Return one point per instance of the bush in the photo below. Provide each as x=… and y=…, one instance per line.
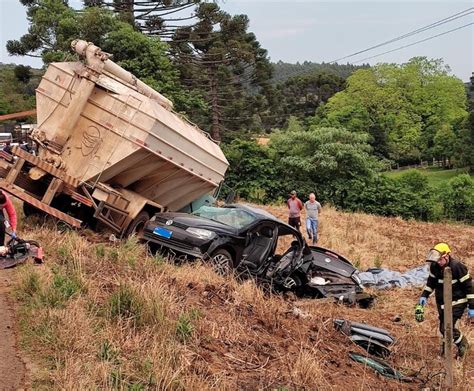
x=421, y=195
x=251, y=172
x=458, y=198
x=409, y=197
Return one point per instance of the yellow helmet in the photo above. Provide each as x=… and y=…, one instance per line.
x=437, y=252
x=443, y=248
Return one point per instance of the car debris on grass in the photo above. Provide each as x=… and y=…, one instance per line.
x=374, y=340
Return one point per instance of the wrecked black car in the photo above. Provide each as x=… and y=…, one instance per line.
x=249, y=240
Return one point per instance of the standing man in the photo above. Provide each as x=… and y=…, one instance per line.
x=463, y=292
x=6, y=204
x=313, y=209
x=294, y=210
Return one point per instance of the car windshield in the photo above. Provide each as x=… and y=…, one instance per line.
x=234, y=217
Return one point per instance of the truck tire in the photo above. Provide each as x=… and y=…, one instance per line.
x=138, y=224
x=222, y=262
x=30, y=210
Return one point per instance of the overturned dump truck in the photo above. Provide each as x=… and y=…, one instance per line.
x=110, y=149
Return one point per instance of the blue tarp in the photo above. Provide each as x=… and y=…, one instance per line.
x=385, y=278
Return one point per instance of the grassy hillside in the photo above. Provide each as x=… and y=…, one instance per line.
x=436, y=176
x=108, y=316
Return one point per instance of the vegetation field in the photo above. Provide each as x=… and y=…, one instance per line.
x=101, y=315
x=436, y=176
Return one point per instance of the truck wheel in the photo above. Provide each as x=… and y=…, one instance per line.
x=138, y=224
x=30, y=210
x=222, y=262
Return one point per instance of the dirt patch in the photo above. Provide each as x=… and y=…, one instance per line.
x=12, y=368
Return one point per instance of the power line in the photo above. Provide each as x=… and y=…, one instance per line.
x=415, y=43
x=440, y=22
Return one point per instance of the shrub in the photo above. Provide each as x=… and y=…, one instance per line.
x=458, y=198
x=409, y=197
x=421, y=199
x=251, y=172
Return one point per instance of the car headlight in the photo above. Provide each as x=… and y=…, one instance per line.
x=201, y=233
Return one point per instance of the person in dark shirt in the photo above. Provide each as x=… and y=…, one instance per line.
x=463, y=292
x=294, y=210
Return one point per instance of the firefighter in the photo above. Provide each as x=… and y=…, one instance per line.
x=463, y=292
x=6, y=204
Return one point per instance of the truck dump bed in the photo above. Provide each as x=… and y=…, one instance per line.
x=125, y=137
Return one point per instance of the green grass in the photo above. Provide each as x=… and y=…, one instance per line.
x=436, y=176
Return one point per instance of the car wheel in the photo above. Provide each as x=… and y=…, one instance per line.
x=138, y=224
x=222, y=262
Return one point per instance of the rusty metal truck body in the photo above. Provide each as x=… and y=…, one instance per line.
x=110, y=148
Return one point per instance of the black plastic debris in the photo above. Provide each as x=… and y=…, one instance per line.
x=374, y=340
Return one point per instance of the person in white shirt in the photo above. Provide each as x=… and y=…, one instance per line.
x=313, y=209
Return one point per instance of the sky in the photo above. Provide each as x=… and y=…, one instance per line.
x=312, y=30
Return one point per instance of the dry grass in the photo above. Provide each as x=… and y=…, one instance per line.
x=103, y=316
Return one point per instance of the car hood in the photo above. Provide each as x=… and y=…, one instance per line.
x=185, y=220
x=326, y=259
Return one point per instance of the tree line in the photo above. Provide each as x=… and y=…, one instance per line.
x=283, y=71
x=339, y=166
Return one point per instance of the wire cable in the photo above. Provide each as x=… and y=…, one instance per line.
x=440, y=22
x=415, y=43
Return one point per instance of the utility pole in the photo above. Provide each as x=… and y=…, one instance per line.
x=448, y=326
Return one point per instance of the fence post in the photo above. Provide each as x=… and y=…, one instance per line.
x=448, y=326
